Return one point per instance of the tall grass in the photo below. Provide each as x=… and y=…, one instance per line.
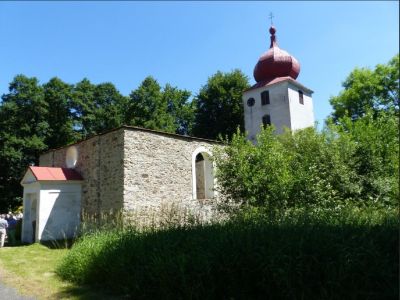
x=299, y=254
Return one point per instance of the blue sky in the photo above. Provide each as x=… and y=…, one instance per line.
x=183, y=43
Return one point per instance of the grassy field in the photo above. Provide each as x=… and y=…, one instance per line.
x=30, y=269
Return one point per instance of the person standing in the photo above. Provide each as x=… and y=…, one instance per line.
x=12, y=226
x=3, y=227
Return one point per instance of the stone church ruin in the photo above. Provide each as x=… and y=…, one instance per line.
x=136, y=171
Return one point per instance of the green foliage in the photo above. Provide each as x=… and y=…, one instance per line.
x=164, y=109
x=34, y=118
x=97, y=108
x=347, y=253
x=23, y=130
x=366, y=89
x=58, y=100
x=179, y=108
x=219, y=108
x=83, y=106
x=374, y=139
x=256, y=176
x=357, y=161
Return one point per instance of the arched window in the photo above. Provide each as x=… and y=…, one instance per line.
x=203, y=174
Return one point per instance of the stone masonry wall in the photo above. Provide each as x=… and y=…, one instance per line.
x=146, y=174
x=100, y=162
x=158, y=177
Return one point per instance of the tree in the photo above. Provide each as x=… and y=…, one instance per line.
x=375, y=159
x=165, y=109
x=110, y=107
x=23, y=130
x=83, y=107
x=179, y=108
x=366, y=112
x=58, y=98
x=148, y=107
x=219, y=107
x=366, y=89
x=97, y=108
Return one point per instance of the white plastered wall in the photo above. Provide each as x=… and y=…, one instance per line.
x=30, y=204
x=284, y=109
x=278, y=109
x=57, y=208
x=302, y=115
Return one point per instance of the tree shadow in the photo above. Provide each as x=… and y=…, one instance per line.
x=59, y=244
x=87, y=293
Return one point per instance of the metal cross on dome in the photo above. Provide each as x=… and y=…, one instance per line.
x=271, y=16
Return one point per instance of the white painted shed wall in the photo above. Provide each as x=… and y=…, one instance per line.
x=57, y=209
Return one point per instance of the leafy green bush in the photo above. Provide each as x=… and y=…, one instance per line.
x=355, y=161
x=347, y=253
x=375, y=155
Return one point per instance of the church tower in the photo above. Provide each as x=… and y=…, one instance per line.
x=277, y=98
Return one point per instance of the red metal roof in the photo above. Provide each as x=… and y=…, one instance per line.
x=275, y=63
x=265, y=83
x=60, y=174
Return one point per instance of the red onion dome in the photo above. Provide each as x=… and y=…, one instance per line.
x=275, y=62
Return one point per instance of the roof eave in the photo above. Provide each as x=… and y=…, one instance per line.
x=291, y=80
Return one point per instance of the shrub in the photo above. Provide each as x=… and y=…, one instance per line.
x=299, y=254
x=355, y=161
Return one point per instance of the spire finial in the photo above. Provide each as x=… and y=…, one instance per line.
x=272, y=31
x=271, y=16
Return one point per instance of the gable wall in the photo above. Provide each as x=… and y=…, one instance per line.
x=100, y=162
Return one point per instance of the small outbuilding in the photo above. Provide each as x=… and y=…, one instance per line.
x=52, y=203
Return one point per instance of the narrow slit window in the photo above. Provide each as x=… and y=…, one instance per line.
x=265, y=98
x=266, y=120
x=301, y=98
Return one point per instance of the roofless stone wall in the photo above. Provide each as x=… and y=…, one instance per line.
x=145, y=174
x=158, y=179
x=100, y=162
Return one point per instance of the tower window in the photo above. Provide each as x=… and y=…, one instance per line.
x=265, y=98
x=301, y=99
x=266, y=120
x=250, y=102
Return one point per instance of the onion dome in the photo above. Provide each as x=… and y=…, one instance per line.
x=275, y=62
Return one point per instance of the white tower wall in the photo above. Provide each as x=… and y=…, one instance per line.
x=285, y=109
x=301, y=115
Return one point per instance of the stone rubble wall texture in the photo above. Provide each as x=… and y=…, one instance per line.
x=100, y=162
x=146, y=175
x=158, y=178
